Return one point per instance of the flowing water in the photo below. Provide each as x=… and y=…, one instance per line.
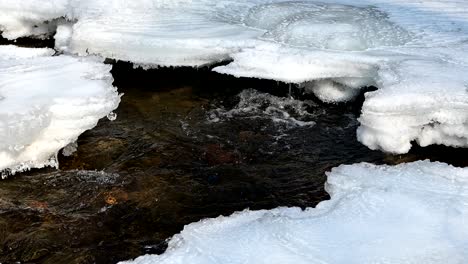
x=187, y=144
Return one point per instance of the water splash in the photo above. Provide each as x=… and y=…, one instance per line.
x=284, y=111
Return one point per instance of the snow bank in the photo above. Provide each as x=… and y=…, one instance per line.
x=415, y=52
x=410, y=213
x=46, y=103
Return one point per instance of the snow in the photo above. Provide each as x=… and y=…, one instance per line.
x=410, y=213
x=415, y=52
x=30, y=17
x=46, y=102
x=62, y=36
x=11, y=52
x=161, y=40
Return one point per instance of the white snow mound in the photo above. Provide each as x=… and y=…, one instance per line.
x=46, y=103
x=410, y=213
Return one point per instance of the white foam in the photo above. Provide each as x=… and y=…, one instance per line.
x=284, y=111
x=47, y=102
x=410, y=213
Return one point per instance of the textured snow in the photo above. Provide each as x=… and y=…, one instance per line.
x=410, y=213
x=46, y=102
x=415, y=52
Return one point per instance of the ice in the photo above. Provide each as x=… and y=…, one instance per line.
x=410, y=213
x=163, y=37
x=11, y=52
x=46, y=103
x=421, y=107
x=418, y=63
x=331, y=91
x=62, y=37
x=415, y=52
x=69, y=149
x=325, y=26
x=30, y=17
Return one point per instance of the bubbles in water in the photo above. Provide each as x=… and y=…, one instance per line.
x=112, y=116
x=254, y=104
x=99, y=177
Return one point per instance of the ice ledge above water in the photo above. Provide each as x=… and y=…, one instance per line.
x=409, y=213
x=46, y=102
x=415, y=52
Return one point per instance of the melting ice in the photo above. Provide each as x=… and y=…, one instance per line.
x=410, y=213
x=46, y=103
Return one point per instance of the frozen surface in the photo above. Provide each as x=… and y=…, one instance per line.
x=415, y=52
x=410, y=213
x=46, y=103
x=30, y=17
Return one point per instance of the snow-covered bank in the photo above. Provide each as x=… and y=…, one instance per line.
x=410, y=213
x=46, y=102
x=415, y=52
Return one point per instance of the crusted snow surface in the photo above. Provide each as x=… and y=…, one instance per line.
x=46, y=102
x=415, y=52
x=410, y=213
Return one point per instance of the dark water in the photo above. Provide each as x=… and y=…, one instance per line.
x=28, y=42
x=165, y=163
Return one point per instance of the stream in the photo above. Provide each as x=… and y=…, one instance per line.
x=187, y=144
